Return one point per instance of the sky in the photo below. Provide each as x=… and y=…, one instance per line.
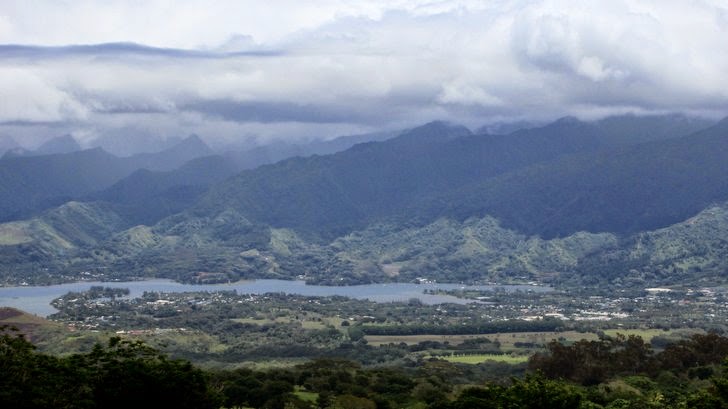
x=252, y=72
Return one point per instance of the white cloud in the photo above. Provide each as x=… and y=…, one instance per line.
x=356, y=65
x=26, y=96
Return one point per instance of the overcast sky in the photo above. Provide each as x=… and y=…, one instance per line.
x=265, y=70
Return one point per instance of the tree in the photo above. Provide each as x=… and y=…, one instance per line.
x=131, y=374
x=32, y=380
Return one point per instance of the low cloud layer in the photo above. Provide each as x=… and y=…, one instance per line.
x=257, y=71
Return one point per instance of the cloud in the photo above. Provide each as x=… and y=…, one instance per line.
x=290, y=69
x=27, y=97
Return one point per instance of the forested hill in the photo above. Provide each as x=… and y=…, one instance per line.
x=555, y=180
x=625, y=190
x=336, y=193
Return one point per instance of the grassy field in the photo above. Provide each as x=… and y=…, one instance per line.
x=646, y=334
x=476, y=359
x=507, y=340
x=14, y=233
x=306, y=396
x=306, y=323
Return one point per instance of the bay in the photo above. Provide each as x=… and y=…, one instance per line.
x=36, y=299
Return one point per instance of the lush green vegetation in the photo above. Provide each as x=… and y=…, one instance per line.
x=621, y=372
x=55, y=247
x=479, y=358
x=226, y=329
x=121, y=374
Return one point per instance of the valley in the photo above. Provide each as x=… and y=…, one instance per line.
x=225, y=327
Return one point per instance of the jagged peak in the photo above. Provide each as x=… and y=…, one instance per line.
x=193, y=141
x=60, y=144
x=567, y=120
x=723, y=123
x=436, y=130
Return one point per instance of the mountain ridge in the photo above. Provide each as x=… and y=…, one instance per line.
x=437, y=202
x=31, y=184
x=387, y=179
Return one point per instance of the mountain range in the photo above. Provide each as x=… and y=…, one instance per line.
x=624, y=200
x=30, y=184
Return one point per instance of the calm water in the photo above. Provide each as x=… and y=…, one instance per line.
x=37, y=300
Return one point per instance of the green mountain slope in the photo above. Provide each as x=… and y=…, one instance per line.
x=331, y=195
x=53, y=238
x=230, y=247
x=555, y=180
x=626, y=190
x=146, y=196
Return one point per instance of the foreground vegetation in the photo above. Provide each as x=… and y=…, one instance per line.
x=621, y=372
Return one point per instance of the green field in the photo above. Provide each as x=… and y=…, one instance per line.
x=324, y=322
x=507, y=340
x=477, y=359
x=646, y=334
x=14, y=233
x=305, y=395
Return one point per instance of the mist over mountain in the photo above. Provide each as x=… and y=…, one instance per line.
x=277, y=151
x=34, y=183
x=7, y=143
x=632, y=129
x=171, y=158
x=507, y=127
x=147, y=196
x=128, y=141
x=60, y=144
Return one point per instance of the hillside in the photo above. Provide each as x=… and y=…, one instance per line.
x=333, y=194
x=35, y=329
x=53, y=237
x=626, y=190
x=440, y=170
x=229, y=247
x=146, y=196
